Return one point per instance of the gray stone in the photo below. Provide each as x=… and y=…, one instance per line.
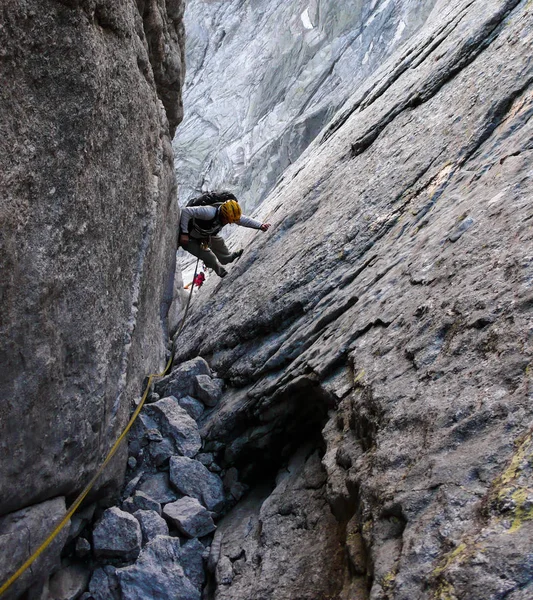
x=21, y=533
x=159, y=453
x=93, y=273
x=189, y=517
x=394, y=344
x=206, y=458
x=68, y=583
x=141, y=501
x=117, y=535
x=181, y=381
x=322, y=54
x=104, y=584
x=79, y=520
x=157, y=487
x=83, y=547
x=194, y=407
x=208, y=390
x=192, y=561
x=157, y=573
x=177, y=425
x=152, y=524
x=191, y=478
x=153, y=435
x=132, y=462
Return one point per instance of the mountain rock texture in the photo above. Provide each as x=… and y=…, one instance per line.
x=377, y=341
x=89, y=101
x=264, y=77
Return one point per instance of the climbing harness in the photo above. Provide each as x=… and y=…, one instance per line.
x=77, y=502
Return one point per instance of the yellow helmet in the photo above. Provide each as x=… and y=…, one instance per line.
x=231, y=211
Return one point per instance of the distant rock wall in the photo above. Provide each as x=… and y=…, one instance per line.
x=264, y=77
x=388, y=310
x=89, y=100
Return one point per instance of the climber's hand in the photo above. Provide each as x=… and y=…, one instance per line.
x=265, y=226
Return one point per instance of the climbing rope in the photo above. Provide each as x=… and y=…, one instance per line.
x=77, y=502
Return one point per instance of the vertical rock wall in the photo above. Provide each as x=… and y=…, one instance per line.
x=89, y=100
x=397, y=281
x=265, y=76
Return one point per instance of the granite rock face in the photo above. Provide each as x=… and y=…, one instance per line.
x=386, y=315
x=89, y=102
x=264, y=77
x=21, y=533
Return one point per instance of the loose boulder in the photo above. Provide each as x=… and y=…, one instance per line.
x=208, y=390
x=192, y=478
x=177, y=425
x=68, y=583
x=157, y=487
x=157, y=573
x=181, y=381
x=117, y=535
x=189, y=517
x=194, y=407
x=152, y=524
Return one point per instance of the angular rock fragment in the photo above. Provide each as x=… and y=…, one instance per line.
x=189, y=517
x=192, y=561
x=208, y=390
x=104, y=584
x=152, y=524
x=21, y=533
x=159, y=453
x=117, y=535
x=177, y=425
x=181, y=381
x=194, y=407
x=68, y=583
x=157, y=487
x=141, y=501
x=191, y=478
x=157, y=573
x=83, y=547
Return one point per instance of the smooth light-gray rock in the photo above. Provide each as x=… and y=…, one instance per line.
x=21, y=534
x=192, y=478
x=88, y=234
x=189, y=517
x=194, y=407
x=157, y=573
x=152, y=524
x=386, y=314
x=208, y=390
x=263, y=80
x=68, y=583
x=117, y=535
x=177, y=425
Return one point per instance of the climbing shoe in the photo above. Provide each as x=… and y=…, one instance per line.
x=237, y=255
x=222, y=272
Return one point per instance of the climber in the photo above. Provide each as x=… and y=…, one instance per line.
x=201, y=222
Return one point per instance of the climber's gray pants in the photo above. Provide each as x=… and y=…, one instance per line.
x=217, y=250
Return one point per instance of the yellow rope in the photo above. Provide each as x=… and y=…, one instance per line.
x=76, y=504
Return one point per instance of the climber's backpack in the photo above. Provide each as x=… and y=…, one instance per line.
x=211, y=198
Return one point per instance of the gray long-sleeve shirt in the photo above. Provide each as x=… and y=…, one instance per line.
x=208, y=213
